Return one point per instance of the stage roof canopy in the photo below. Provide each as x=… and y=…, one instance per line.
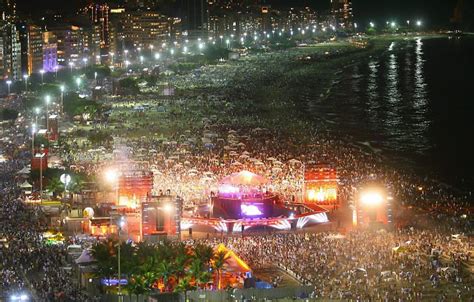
x=244, y=178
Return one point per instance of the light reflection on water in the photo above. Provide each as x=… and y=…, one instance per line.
x=383, y=100
x=414, y=100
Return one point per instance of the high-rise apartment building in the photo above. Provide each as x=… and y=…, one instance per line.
x=7, y=10
x=71, y=42
x=195, y=18
x=31, y=39
x=50, y=51
x=144, y=28
x=342, y=12
x=99, y=15
x=10, y=54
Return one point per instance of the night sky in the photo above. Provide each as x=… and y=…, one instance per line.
x=434, y=12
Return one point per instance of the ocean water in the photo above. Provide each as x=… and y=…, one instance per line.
x=415, y=103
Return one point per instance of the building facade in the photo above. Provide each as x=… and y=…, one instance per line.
x=144, y=28
x=342, y=13
x=50, y=51
x=71, y=42
x=10, y=61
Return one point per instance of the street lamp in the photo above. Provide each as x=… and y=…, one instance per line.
x=141, y=59
x=418, y=23
x=85, y=61
x=33, y=131
x=157, y=56
x=71, y=65
x=62, y=98
x=78, y=82
x=42, y=76
x=37, y=111
x=47, y=100
x=393, y=24
x=25, y=76
x=372, y=24
x=41, y=155
x=8, y=86
x=121, y=224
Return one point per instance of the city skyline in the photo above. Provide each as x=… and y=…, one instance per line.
x=438, y=13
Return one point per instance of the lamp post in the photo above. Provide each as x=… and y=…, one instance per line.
x=47, y=100
x=41, y=172
x=56, y=70
x=25, y=76
x=37, y=111
x=42, y=76
x=8, y=86
x=62, y=98
x=33, y=131
x=71, y=65
x=121, y=224
x=78, y=82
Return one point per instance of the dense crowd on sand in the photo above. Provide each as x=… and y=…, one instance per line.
x=404, y=265
x=28, y=266
x=216, y=141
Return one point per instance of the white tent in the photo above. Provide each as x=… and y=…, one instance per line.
x=84, y=258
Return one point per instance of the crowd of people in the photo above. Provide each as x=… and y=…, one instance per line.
x=366, y=265
x=211, y=135
x=29, y=267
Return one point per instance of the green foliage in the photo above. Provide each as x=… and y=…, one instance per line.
x=177, y=266
x=183, y=67
x=74, y=105
x=129, y=86
x=8, y=114
x=100, y=137
x=102, y=71
x=214, y=52
x=49, y=89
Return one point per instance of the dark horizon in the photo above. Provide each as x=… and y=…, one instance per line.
x=436, y=13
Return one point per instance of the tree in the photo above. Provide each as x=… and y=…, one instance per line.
x=55, y=186
x=105, y=254
x=129, y=86
x=219, y=260
x=8, y=114
x=102, y=71
x=164, y=271
x=204, y=253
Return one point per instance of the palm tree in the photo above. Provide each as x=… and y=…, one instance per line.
x=219, y=260
x=184, y=285
x=55, y=186
x=165, y=270
x=204, y=253
x=104, y=253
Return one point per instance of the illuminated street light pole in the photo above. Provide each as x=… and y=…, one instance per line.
x=37, y=111
x=71, y=65
x=25, y=76
x=121, y=224
x=62, y=99
x=42, y=76
x=41, y=171
x=47, y=100
x=8, y=86
x=33, y=131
